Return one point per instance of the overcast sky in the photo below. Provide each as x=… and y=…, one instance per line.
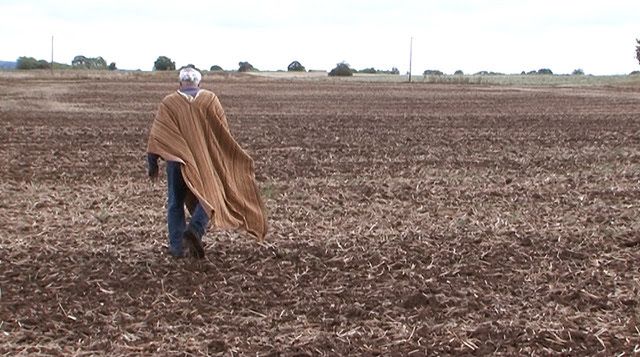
x=470, y=35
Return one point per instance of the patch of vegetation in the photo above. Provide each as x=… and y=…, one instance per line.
x=57, y=65
x=82, y=62
x=296, y=66
x=394, y=70
x=368, y=70
x=489, y=73
x=342, y=69
x=164, y=63
x=546, y=71
x=433, y=72
x=216, y=68
x=246, y=67
x=372, y=70
x=190, y=66
x=31, y=63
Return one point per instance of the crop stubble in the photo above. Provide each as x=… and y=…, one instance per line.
x=422, y=219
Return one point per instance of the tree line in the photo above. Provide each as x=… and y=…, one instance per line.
x=80, y=62
x=164, y=63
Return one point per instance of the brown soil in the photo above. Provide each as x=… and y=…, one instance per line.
x=404, y=220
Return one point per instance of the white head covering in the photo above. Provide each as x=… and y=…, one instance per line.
x=189, y=74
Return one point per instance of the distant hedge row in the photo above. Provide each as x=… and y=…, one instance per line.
x=164, y=63
x=77, y=62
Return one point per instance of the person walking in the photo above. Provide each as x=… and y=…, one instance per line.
x=207, y=170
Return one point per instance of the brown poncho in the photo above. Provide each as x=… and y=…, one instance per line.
x=194, y=132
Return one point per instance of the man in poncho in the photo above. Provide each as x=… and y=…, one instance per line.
x=206, y=168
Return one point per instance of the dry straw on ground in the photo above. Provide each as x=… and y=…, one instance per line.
x=409, y=219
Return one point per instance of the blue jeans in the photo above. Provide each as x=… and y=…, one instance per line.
x=177, y=192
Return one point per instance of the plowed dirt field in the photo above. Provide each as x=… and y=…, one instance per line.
x=405, y=219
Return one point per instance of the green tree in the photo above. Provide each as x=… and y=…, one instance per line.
x=26, y=62
x=245, y=67
x=578, y=72
x=370, y=70
x=433, y=72
x=546, y=71
x=342, y=69
x=638, y=50
x=112, y=66
x=89, y=62
x=295, y=66
x=216, y=68
x=31, y=63
x=164, y=63
x=79, y=61
x=393, y=70
x=190, y=65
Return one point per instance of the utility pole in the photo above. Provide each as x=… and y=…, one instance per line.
x=410, y=57
x=51, y=54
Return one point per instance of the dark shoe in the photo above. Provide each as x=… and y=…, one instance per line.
x=176, y=253
x=192, y=244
